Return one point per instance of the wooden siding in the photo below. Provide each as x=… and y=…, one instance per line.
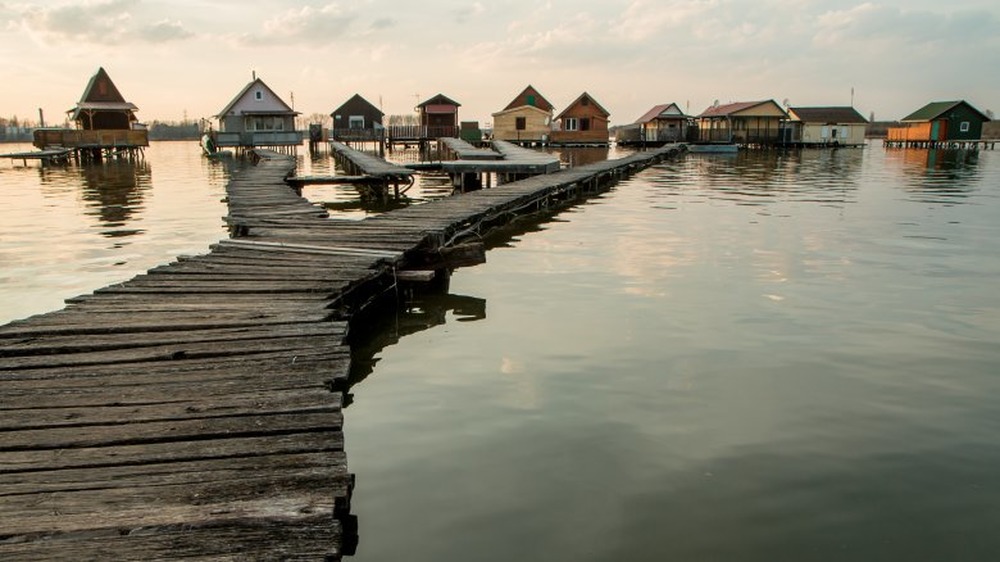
x=537, y=124
x=913, y=132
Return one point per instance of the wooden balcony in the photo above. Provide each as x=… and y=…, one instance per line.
x=99, y=138
x=251, y=139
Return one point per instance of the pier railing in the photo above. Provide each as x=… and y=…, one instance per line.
x=96, y=138
x=259, y=138
x=417, y=132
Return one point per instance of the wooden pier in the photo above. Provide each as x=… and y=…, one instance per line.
x=381, y=174
x=984, y=144
x=195, y=411
x=473, y=167
x=52, y=155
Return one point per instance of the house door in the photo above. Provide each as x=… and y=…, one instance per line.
x=935, y=130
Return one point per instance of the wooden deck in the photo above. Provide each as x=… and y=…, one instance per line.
x=193, y=411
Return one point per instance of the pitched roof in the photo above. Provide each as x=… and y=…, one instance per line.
x=837, y=114
x=246, y=89
x=658, y=110
x=936, y=109
x=580, y=99
x=540, y=101
x=440, y=99
x=101, y=95
x=100, y=88
x=736, y=107
x=359, y=99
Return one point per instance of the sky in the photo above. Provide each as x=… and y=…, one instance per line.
x=182, y=59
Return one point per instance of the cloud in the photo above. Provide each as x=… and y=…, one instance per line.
x=464, y=14
x=871, y=22
x=306, y=25
x=105, y=22
x=383, y=23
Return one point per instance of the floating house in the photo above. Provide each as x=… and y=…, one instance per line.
x=584, y=122
x=357, y=120
x=662, y=124
x=438, y=117
x=527, y=119
x=938, y=124
x=826, y=126
x=257, y=117
x=105, y=122
x=743, y=123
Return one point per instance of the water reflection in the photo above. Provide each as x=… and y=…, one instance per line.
x=383, y=325
x=827, y=177
x=114, y=192
x=582, y=155
x=937, y=176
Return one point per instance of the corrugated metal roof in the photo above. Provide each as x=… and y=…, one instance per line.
x=833, y=114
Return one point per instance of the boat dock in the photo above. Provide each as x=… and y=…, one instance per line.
x=382, y=174
x=473, y=167
x=194, y=411
x=52, y=155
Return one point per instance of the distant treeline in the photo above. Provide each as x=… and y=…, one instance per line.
x=172, y=130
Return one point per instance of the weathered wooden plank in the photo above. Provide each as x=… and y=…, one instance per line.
x=172, y=431
x=46, y=460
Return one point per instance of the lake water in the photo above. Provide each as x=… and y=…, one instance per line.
x=753, y=357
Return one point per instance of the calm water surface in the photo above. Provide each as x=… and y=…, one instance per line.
x=756, y=357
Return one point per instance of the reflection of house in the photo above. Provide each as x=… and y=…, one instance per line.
x=104, y=121
x=662, y=124
x=937, y=123
x=357, y=119
x=439, y=117
x=826, y=126
x=583, y=122
x=753, y=122
x=526, y=119
x=257, y=117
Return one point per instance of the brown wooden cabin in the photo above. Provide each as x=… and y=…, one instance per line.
x=583, y=122
x=104, y=120
x=357, y=120
x=439, y=117
x=743, y=123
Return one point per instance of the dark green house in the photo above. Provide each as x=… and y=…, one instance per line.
x=944, y=121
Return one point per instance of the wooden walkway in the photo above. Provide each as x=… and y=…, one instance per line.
x=193, y=411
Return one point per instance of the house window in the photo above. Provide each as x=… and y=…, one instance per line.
x=585, y=124
x=571, y=124
x=964, y=127
x=531, y=100
x=585, y=101
x=520, y=123
x=258, y=95
x=356, y=122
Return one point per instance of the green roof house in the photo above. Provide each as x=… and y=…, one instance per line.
x=941, y=121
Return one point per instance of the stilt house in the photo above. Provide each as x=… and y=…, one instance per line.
x=439, y=117
x=583, y=122
x=744, y=123
x=257, y=117
x=826, y=126
x=104, y=121
x=526, y=119
x=940, y=121
x=357, y=120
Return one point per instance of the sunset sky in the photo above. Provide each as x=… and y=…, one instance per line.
x=188, y=58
